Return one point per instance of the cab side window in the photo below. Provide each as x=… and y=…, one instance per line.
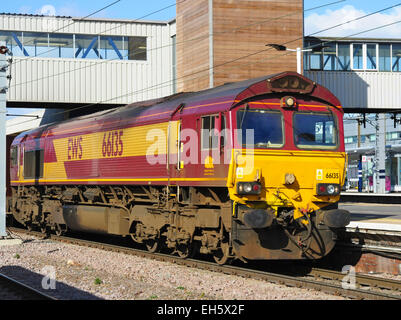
x=209, y=135
x=33, y=164
x=14, y=157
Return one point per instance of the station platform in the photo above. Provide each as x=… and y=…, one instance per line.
x=374, y=218
x=366, y=197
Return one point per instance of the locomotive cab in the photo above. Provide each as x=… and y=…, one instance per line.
x=287, y=171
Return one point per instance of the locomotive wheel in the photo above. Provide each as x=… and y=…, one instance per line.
x=135, y=239
x=185, y=251
x=43, y=229
x=59, y=231
x=222, y=256
x=152, y=245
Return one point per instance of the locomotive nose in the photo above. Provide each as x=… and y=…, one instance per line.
x=259, y=219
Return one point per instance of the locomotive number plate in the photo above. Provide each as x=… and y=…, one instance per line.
x=328, y=175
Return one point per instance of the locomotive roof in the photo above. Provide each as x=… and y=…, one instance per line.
x=225, y=96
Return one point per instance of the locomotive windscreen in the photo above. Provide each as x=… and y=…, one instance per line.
x=267, y=128
x=313, y=130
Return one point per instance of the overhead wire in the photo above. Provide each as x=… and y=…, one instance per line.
x=170, y=45
x=167, y=83
x=255, y=53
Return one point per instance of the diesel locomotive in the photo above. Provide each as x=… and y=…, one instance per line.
x=250, y=170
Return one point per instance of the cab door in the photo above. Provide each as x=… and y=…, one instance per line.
x=212, y=145
x=174, y=157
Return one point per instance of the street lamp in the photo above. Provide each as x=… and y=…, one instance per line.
x=299, y=51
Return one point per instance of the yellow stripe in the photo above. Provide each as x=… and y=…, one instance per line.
x=288, y=152
x=122, y=180
x=301, y=105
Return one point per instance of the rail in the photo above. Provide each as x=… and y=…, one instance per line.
x=11, y=289
x=365, y=287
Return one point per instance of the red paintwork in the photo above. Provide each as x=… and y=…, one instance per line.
x=225, y=100
x=9, y=141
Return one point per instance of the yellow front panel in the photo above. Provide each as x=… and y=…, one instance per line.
x=270, y=168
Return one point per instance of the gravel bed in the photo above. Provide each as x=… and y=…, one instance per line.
x=87, y=273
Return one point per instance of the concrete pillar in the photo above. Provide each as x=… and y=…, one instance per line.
x=3, y=144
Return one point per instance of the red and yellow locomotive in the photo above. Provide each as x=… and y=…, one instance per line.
x=250, y=170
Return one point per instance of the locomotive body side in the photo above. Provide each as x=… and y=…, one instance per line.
x=181, y=173
x=120, y=148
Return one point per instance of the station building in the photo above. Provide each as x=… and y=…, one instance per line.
x=365, y=74
x=361, y=151
x=69, y=62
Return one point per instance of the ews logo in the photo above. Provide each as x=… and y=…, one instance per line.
x=75, y=151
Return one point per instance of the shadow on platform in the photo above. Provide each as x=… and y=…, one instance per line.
x=62, y=291
x=371, y=216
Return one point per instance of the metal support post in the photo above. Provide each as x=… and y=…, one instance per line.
x=3, y=144
x=299, y=60
x=381, y=154
x=399, y=171
x=360, y=183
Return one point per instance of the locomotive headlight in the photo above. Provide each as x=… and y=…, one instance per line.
x=288, y=102
x=247, y=187
x=328, y=189
x=251, y=188
x=331, y=189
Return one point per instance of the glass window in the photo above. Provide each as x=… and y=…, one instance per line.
x=396, y=57
x=36, y=44
x=344, y=58
x=125, y=51
x=392, y=136
x=87, y=47
x=33, y=164
x=316, y=61
x=357, y=56
x=349, y=140
x=137, y=48
x=372, y=138
x=315, y=130
x=209, y=135
x=371, y=57
x=384, y=57
x=267, y=128
x=12, y=41
x=14, y=156
x=112, y=48
x=61, y=46
x=329, y=56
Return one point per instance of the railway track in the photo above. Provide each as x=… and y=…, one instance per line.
x=328, y=281
x=11, y=289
